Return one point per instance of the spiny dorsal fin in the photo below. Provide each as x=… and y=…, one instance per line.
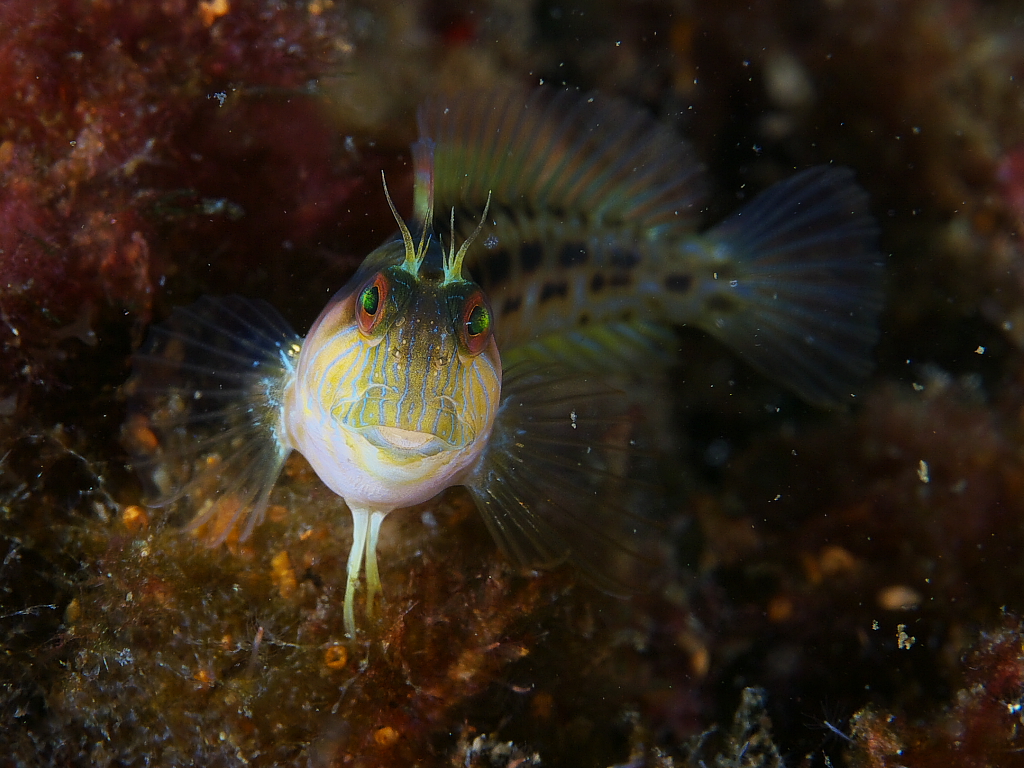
x=591, y=157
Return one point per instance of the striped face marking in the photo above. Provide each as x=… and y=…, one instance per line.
x=413, y=378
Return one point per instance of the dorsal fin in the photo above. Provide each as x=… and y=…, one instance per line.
x=586, y=156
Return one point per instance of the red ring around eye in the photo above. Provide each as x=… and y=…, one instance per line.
x=370, y=302
x=476, y=323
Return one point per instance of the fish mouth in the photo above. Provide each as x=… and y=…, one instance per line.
x=405, y=425
x=405, y=440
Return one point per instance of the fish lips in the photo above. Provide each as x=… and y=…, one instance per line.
x=406, y=441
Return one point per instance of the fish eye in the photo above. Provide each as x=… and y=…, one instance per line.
x=475, y=325
x=370, y=303
x=479, y=321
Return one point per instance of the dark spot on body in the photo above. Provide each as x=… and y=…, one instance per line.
x=721, y=304
x=572, y=255
x=597, y=282
x=622, y=258
x=620, y=280
x=512, y=304
x=497, y=267
x=551, y=290
x=678, y=283
x=530, y=256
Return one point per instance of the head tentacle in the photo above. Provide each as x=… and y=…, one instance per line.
x=414, y=253
x=453, y=259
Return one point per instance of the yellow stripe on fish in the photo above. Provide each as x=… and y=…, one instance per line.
x=584, y=258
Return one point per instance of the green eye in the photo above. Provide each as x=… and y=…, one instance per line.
x=473, y=320
x=370, y=303
x=479, y=321
x=370, y=300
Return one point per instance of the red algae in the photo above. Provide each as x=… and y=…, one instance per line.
x=100, y=103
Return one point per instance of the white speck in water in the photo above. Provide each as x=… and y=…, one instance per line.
x=903, y=640
x=922, y=471
x=572, y=418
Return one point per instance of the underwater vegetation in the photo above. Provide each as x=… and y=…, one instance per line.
x=836, y=586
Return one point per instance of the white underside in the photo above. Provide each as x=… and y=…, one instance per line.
x=376, y=471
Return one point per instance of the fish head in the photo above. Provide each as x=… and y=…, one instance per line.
x=399, y=381
x=431, y=373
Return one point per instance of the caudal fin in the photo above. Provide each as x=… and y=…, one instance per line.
x=803, y=297
x=204, y=406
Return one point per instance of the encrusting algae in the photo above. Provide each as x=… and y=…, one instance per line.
x=505, y=364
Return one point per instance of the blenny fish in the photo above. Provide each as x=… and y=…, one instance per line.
x=490, y=361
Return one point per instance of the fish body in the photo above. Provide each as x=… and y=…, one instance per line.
x=489, y=364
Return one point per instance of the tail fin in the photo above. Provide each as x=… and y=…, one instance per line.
x=803, y=302
x=205, y=405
